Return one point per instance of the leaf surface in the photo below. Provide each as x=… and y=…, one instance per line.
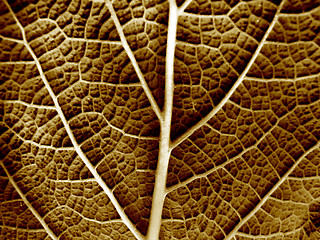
x=160, y=119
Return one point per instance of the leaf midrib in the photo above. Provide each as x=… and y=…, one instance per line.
x=165, y=123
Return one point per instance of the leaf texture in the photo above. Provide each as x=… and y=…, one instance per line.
x=160, y=119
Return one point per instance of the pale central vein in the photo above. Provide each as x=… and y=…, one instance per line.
x=165, y=127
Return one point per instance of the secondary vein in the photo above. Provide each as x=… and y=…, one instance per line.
x=29, y=205
x=80, y=153
x=267, y=196
x=133, y=60
x=233, y=88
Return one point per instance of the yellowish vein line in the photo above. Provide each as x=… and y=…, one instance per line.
x=267, y=196
x=165, y=126
x=133, y=60
x=233, y=88
x=83, y=157
x=29, y=205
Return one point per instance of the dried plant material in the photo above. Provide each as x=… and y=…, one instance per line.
x=160, y=119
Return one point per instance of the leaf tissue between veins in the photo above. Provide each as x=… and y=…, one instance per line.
x=160, y=119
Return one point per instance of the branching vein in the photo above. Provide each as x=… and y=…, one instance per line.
x=267, y=196
x=165, y=126
x=29, y=205
x=134, y=62
x=233, y=88
x=79, y=151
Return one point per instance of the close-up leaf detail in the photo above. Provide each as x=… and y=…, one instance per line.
x=160, y=119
